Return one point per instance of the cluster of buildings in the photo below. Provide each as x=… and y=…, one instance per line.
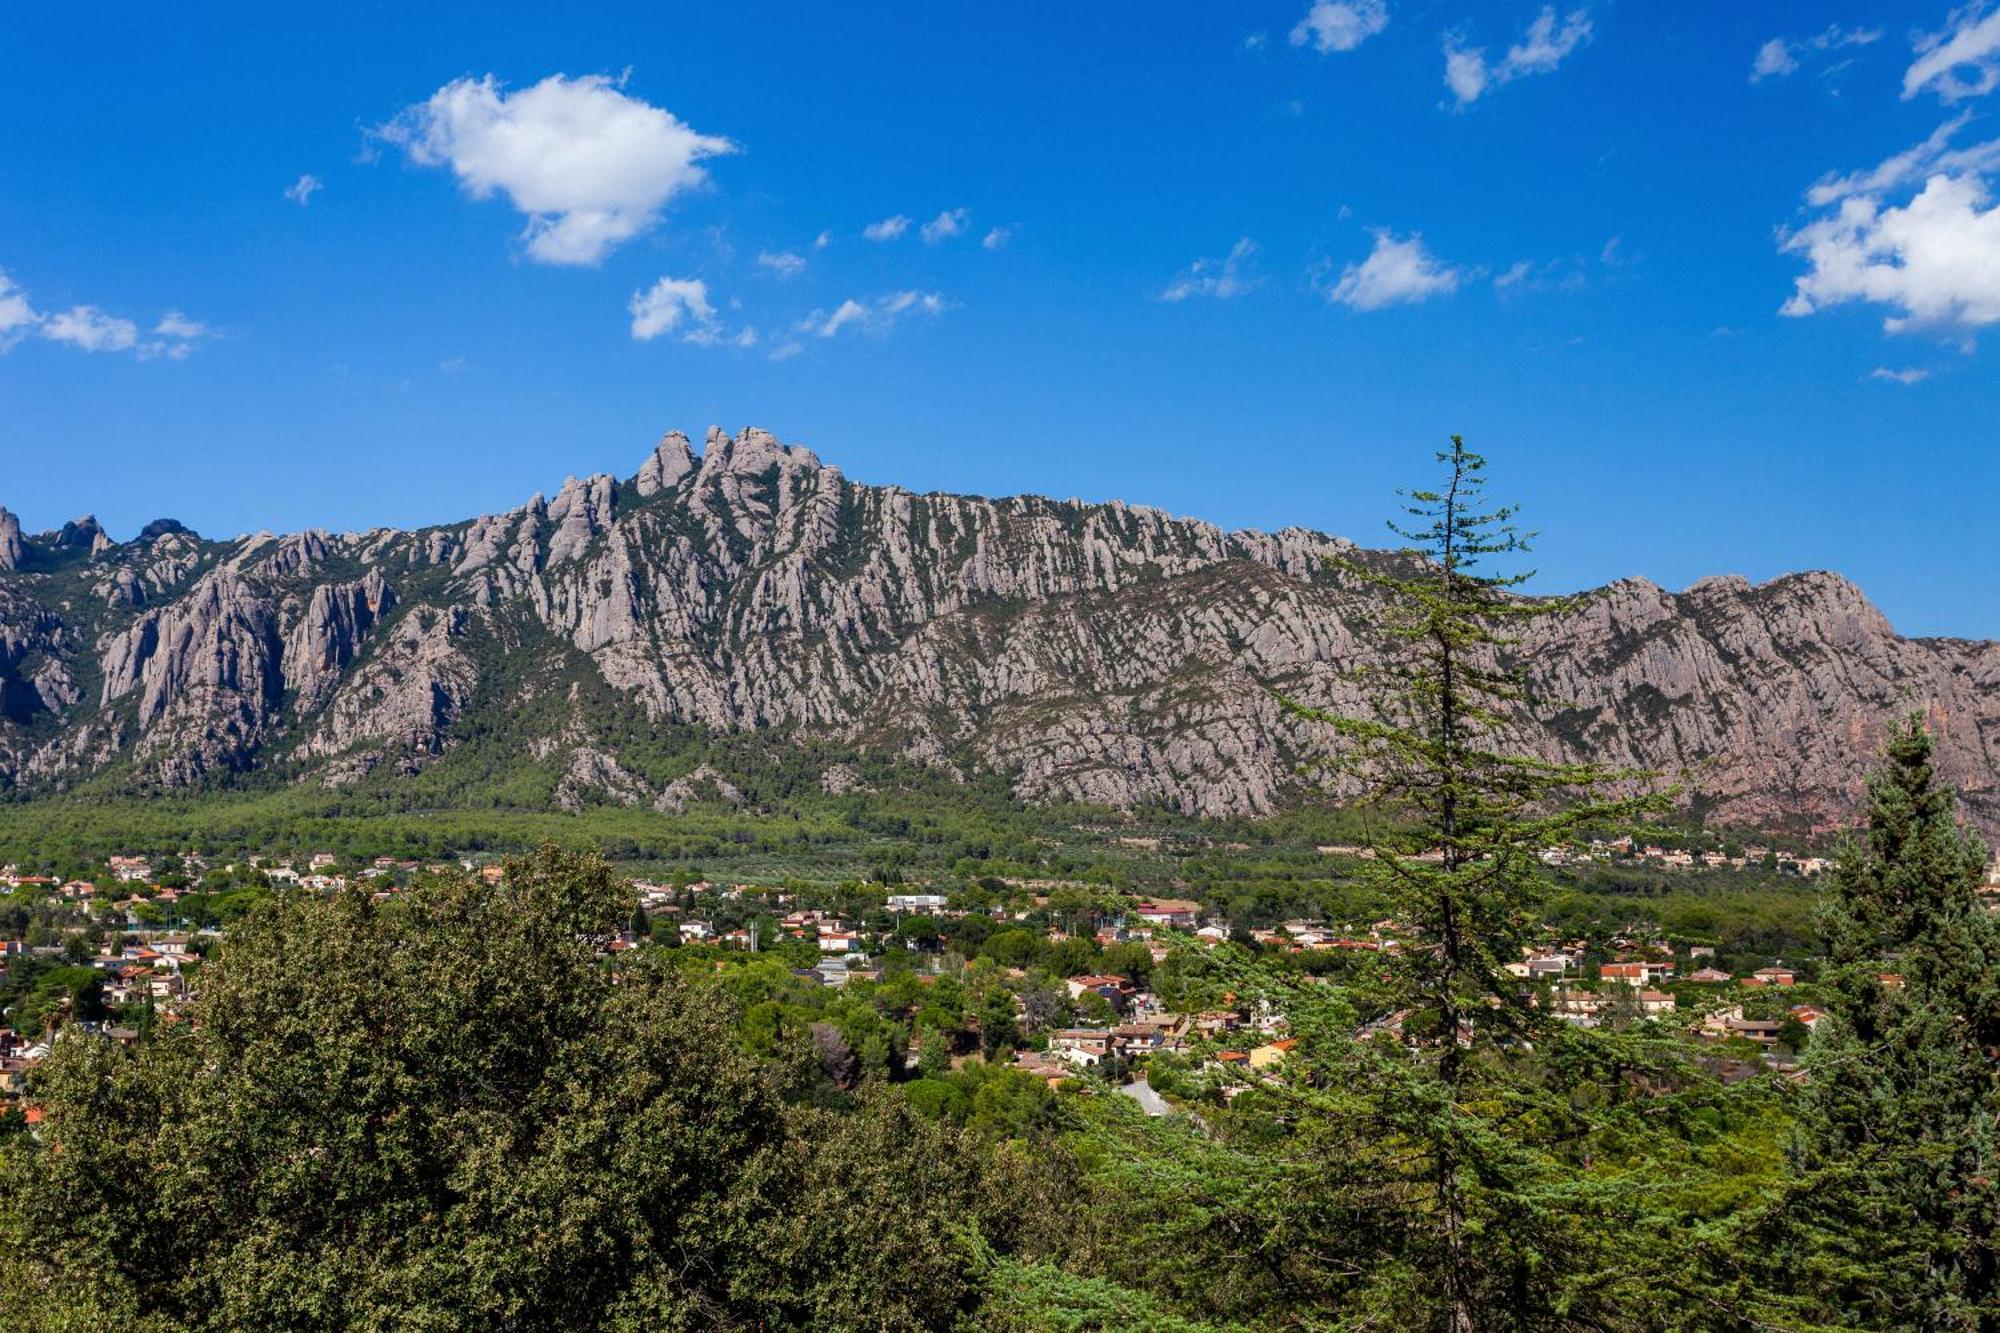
x=1249, y=1039
x=1633, y=982
x=1629, y=849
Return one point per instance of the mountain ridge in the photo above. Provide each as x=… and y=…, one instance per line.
x=1100, y=651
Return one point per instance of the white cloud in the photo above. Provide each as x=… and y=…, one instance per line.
x=946, y=225
x=663, y=307
x=590, y=166
x=174, y=324
x=93, y=330
x=823, y=240
x=17, y=318
x=931, y=303
x=1340, y=25
x=1465, y=72
x=1780, y=56
x=1931, y=257
x=453, y=365
x=888, y=229
x=782, y=262
x=1570, y=274
x=1545, y=45
x=302, y=190
x=174, y=337
x=848, y=312
x=997, y=238
x=1396, y=272
x=1962, y=60
x=1219, y=278
x=1911, y=165
x=89, y=328
x=877, y=316
x=1914, y=375
x=712, y=335
x=1774, y=60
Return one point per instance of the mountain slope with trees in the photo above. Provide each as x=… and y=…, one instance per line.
x=1098, y=652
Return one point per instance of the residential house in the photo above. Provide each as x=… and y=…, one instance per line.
x=1139, y=1038
x=1579, y=1007
x=1636, y=973
x=1271, y=1054
x=1117, y=991
x=1082, y=1047
x=1174, y=913
x=1052, y=1069
x=1652, y=1003
x=1763, y=1031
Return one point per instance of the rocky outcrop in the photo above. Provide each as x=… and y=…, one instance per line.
x=83, y=534
x=703, y=783
x=1107, y=652
x=593, y=775
x=327, y=635
x=672, y=460
x=399, y=706
x=12, y=549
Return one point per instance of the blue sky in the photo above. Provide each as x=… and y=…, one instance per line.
x=1712, y=284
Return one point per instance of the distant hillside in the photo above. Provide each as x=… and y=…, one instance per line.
x=1107, y=653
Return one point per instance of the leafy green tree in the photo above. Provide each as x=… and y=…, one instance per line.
x=938, y=1098
x=446, y=1111
x=998, y=1028
x=921, y=931
x=56, y=994
x=933, y=1052
x=875, y=1232
x=1794, y=1035
x=1007, y=1103
x=1892, y=1220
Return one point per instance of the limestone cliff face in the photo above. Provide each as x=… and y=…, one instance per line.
x=1107, y=652
x=10, y=540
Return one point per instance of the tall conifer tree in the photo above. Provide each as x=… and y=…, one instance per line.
x=1894, y=1213
x=1501, y=1230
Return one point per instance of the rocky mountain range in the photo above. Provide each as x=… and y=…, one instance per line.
x=1107, y=652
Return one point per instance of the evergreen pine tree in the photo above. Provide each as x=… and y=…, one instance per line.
x=1496, y=1228
x=1892, y=1216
